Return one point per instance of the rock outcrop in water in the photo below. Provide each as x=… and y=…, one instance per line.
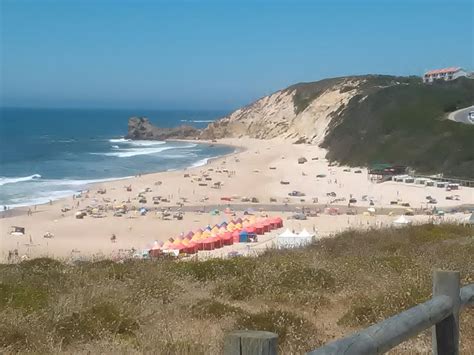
x=140, y=128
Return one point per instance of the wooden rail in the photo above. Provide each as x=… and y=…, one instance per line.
x=441, y=313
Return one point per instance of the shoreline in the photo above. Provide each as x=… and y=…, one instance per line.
x=237, y=149
x=19, y=210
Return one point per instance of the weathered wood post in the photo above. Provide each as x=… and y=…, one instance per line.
x=445, y=334
x=251, y=342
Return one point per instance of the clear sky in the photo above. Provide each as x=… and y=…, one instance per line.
x=215, y=54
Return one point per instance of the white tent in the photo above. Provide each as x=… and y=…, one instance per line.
x=469, y=220
x=289, y=239
x=401, y=221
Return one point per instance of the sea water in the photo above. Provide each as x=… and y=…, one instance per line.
x=46, y=154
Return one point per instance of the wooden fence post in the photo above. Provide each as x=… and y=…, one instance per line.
x=445, y=334
x=251, y=342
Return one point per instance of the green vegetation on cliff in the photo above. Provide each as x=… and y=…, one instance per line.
x=407, y=124
x=308, y=296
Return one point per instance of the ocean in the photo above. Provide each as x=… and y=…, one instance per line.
x=46, y=154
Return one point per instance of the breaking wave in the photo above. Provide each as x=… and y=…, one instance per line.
x=5, y=180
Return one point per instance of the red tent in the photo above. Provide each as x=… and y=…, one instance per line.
x=250, y=230
x=259, y=229
x=200, y=244
x=267, y=225
x=217, y=242
x=191, y=248
x=227, y=238
x=208, y=244
x=154, y=253
x=235, y=236
x=278, y=221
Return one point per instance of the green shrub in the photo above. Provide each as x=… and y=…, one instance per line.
x=12, y=337
x=369, y=310
x=94, y=322
x=209, y=308
x=25, y=297
x=290, y=327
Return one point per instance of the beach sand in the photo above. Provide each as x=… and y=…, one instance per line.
x=255, y=171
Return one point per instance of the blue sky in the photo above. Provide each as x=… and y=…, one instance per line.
x=215, y=54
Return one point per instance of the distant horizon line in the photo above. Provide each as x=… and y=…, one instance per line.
x=114, y=108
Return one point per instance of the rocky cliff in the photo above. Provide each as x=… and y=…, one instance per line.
x=141, y=128
x=302, y=112
x=366, y=119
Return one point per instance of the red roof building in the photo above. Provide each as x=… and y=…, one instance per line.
x=450, y=73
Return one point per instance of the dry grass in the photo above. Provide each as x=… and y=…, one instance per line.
x=308, y=296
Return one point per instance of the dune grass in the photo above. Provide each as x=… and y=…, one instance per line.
x=308, y=296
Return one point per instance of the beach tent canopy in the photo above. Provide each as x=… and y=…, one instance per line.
x=305, y=234
x=401, y=221
x=288, y=239
x=469, y=220
x=287, y=234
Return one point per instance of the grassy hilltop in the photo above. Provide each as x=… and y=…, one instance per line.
x=308, y=296
x=406, y=124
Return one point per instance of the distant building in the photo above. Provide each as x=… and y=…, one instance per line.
x=444, y=74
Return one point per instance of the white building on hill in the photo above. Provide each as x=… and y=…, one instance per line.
x=444, y=74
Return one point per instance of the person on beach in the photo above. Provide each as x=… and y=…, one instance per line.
x=113, y=239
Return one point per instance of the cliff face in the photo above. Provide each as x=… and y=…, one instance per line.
x=366, y=119
x=141, y=128
x=302, y=112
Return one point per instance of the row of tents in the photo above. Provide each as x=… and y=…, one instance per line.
x=217, y=236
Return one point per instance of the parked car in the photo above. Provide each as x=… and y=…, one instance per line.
x=296, y=193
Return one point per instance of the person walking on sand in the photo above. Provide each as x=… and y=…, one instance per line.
x=113, y=238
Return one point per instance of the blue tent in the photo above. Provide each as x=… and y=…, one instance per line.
x=243, y=236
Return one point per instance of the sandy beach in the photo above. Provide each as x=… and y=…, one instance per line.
x=261, y=170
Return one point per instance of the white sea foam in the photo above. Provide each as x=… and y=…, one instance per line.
x=201, y=162
x=5, y=180
x=198, y=121
x=145, y=143
x=71, y=182
x=118, y=140
x=132, y=152
x=136, y=143
x=115, y=147
x=52, y=189
x=127, y=153
x=42, y=199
